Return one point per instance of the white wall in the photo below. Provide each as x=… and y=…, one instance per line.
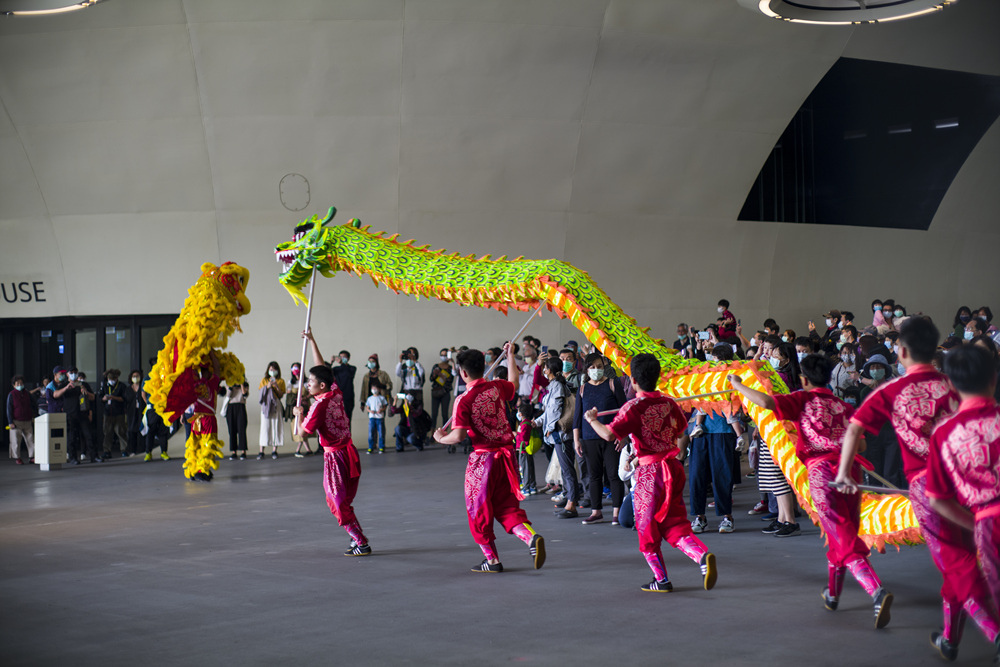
x=619, y=136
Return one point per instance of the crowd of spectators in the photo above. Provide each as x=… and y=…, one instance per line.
x=556, y=387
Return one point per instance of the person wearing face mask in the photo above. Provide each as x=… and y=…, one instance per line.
x=962, y=317
x=78, y=405
x=411, y=372
x=828, y=341
x=375, y=375
x=291, y=391
x=272, y=429
x=788, y=336
x=843, y=382
x=877, y=319
x=888, y=306
x=803, y=348
x=133, y=412
x=442, y=384
x=601, y=456
x=883, y=449
x=898, y=316
x=114, y=398
x=569, y=370
x=526, y=379
x=19, y=416
x=727, y=322
x=343, y=377
x=685, y=341
x=986, y=315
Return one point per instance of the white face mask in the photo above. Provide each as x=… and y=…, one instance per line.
x=595, y=373
x=802, y=355
x=374, y=392
x=409, y=363
x=775, y=362
x=721, y=309
x=888, y=344
x=784, y=339
x=19, y=387
x=444, y=358
x=969, y=335
x=829, y=322
x=72, y=376
x=112, y=381
x=709, y=357
x=840, y=325
x=135, y=379
x=273, y=373
x=371, y=365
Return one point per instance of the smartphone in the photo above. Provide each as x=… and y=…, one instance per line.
x=545, y=349
x=703, y=335
x=402, y=396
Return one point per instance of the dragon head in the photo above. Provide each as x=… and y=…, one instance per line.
x=310, y=248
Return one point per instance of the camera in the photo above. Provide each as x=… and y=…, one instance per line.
x=405, y=354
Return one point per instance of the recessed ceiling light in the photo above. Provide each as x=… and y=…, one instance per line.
x=844, y=12
x=42, y=7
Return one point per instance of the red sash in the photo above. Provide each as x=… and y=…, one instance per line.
x=510, y=467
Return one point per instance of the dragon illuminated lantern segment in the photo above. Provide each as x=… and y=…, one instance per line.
x=523, y=284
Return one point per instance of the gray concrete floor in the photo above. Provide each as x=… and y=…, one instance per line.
x=126, y=563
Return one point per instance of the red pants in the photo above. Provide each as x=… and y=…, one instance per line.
x=658, y=499
x=489, y=494
x=839, y=513
x=341, y=474
x=952, y=550
x=988, y=545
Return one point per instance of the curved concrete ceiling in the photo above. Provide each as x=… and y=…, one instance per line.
x=423, y=116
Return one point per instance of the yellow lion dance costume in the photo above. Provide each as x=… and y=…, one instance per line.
x=188, y=369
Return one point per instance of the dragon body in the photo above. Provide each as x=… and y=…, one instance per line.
x=569, y=292
x=210, y=315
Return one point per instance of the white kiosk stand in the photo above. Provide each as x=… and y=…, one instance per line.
x=50, y=441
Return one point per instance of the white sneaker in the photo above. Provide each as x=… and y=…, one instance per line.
x=699, y=525
x=698, y=431
x=726, y=525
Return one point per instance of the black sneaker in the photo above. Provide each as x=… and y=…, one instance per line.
x=260, y=457
x=709, y=572
x=945, y=648
x=201, y=477
x=658, y=586
x=567, y=514
x=883, y=601
x=487, y=568
x=274, y=455
x=537, y=551
x=772, y=528
x=232, y=457
x=788, y=530
x=72, y=462
x=359, y=550
x=830, y=601
x=243, y=457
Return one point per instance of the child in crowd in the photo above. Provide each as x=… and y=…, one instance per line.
x=491, y=476
x=962, y=479
x=341, y=465
x=655, y=422
x=821, y=420
x=523, y=439
x=914, y=405
x=375, y=406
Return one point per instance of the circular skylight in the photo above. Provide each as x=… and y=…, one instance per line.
x=845, y=12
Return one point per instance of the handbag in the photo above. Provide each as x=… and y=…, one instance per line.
x=534, y=442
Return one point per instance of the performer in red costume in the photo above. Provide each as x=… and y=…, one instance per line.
x=916, y=403
x=491, y=480
x=821, y=420
x=963, y=482
x=654, y=422
x=199, y=387
x=341, y=465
